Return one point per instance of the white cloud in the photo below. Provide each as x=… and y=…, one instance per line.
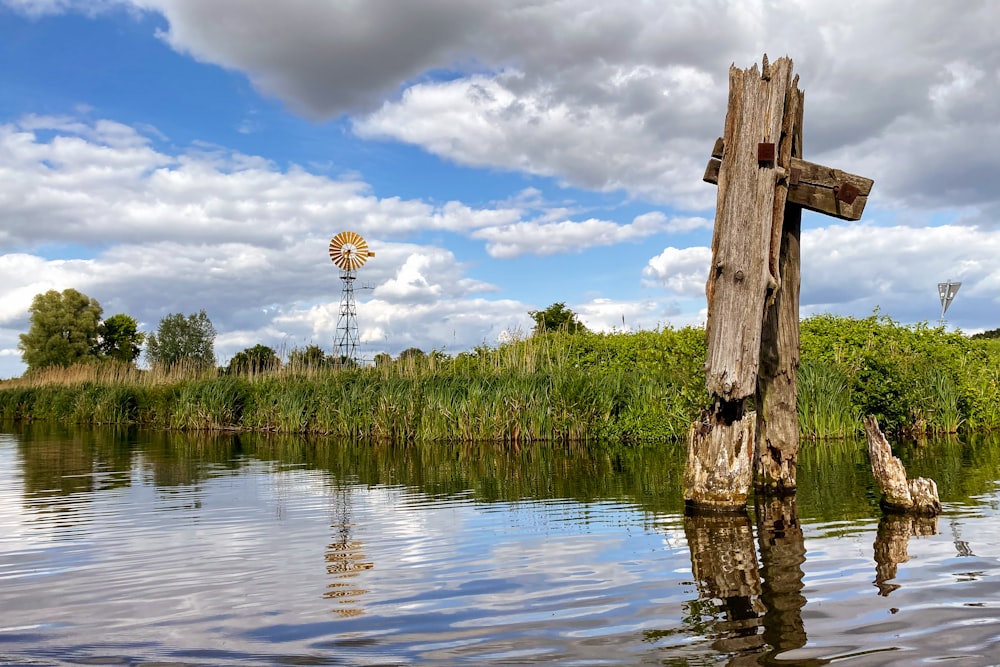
x=609, y=315
x=854, y=268
x=482, y=122
x=230, y=233
x=550, y=238
x=620, y=95
x=683, y=271
x=99, y=183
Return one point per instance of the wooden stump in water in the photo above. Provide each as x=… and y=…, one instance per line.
x=719, y=468
x=899, y=494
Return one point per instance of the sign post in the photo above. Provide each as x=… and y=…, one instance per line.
x=947, y=291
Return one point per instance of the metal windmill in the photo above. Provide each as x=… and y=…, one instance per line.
x=349, y=251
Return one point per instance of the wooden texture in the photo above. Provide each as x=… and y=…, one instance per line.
x=719, y=469
x=899, y=494
x=777, y=440
x=739, y=277
x=816, y=189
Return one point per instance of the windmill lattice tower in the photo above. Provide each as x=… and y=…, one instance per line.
x=349, y=251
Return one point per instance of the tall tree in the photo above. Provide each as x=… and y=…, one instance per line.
x=556, y=317
x=120, y=338
x=256, y=359
x=183, y=340
x=64, y=329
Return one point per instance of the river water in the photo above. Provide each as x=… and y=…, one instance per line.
x=135, y=548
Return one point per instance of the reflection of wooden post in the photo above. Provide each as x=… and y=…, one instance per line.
x=782, y=553
x=724, y=565
x=891, y=542
x=899, y=494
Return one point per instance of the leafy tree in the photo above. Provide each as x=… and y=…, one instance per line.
x=556, y=317
x=992, y=333
x=383, y=359
x=256, y=359
x=312, y=356
x=120, y=338
x=181, y=339
x=414, y=353
x=64, y=329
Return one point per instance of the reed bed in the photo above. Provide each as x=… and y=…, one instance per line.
x=559, y=387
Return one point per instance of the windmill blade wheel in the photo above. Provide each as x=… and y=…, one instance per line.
x=349, y=251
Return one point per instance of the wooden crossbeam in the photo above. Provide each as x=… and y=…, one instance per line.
x=813, y=186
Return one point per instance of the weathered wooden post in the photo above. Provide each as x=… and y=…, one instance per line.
x=753, y=288
x=899, y=494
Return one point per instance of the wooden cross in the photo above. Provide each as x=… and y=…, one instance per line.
x=752, y=329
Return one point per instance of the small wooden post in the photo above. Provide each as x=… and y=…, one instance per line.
x=899, y=494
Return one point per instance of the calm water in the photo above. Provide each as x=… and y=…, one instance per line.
x=132, y=548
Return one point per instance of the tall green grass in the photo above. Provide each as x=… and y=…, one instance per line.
x=825, y=405
x=643, y=386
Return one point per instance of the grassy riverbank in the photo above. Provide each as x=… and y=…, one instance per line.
x=642, y=386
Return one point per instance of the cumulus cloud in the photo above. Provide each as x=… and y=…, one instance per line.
x=550, y=238
x=611, y=315
x=617, y=97
x=233, y=234
x=898, y=268
x=855, y=268
x=483, y=122
x=683, y=271
x=104, y=182
x=620, y=95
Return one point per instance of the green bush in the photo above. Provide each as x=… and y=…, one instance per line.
x=553, y=386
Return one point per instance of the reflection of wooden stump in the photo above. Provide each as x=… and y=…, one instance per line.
x=719, y=467
x=915, y=496
x=891, y=542
x=724, y=564
x=782, y=553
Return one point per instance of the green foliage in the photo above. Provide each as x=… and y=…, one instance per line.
x=312, y=357
x=181, y=340
x=253, y=360
x=64, y=330
x=559, y=386
x=216, y=403
x=912, y=378
x=120, y=338
x=987, y=335
x=824, y=401
x=556, y=317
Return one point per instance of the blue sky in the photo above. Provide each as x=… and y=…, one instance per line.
x=166, y=156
